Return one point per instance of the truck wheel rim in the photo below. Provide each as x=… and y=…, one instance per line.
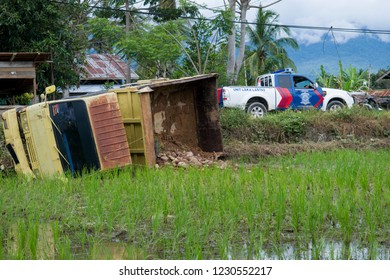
x=257, y=112
x=335, y=107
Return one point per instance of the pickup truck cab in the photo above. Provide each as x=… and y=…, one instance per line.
x=284, y=90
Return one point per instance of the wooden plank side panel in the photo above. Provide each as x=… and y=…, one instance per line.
x=109, y=131
x=130, y=106
x=150, y=154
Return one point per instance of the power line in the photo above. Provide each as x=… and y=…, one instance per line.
x=290, y=26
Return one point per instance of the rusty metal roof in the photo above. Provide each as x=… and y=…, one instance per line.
x=25, y=56
x=384, y=76
x=106, y=67
x=380, y=93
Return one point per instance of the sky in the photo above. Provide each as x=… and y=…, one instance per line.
x=368, y=14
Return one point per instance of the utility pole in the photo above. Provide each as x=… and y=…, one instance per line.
x=234, y=63
x=128, y=61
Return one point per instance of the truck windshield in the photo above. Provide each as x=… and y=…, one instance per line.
x=73, y=134
x=302, y=82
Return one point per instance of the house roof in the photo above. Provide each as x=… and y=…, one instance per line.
x=17, y=71
x=384, y=76
x=25, y=56
x=106, y=67
x=380, y=92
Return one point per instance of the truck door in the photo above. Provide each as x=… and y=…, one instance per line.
x=305, y=95
x=285, y=96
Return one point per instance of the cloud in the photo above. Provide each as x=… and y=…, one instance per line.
x=371, y=14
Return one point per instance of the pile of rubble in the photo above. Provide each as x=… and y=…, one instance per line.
x=185, y=159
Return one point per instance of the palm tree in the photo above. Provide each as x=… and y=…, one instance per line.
x=168, y=4
x=269, y=51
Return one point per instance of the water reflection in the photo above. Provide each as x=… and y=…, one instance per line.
x=322, y=250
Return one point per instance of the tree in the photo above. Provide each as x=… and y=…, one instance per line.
x=164, y=48
x=268, y=46
x=46, y=26
x=235, y=62
x=154, y=49
x=203, y=39
x=111, y=17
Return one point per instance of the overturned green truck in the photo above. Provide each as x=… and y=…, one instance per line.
x=112, y=129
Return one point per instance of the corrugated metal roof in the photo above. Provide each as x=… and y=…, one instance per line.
x=106, y=67
x=384, y=76
x=380, y=93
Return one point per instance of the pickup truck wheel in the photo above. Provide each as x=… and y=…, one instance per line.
x=335, y=105
x=257, y=109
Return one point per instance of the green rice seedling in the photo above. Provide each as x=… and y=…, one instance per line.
x=373, y=250
x=17, y=240
x=346, y=251
x=345, y=215
x=332, y=255
x=1, y=244
x=32, y=236
x=64, y=249
x=21, y=240
x=223, y=245
x=317, y=250
x=298, y=207
x=206, y=213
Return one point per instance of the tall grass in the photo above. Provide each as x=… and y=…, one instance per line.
x=309, y=201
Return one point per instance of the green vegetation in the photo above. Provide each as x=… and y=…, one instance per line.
x=269, y=47
x=331, y=205
x=316, y=126
x=46, y=26
x=349, y=79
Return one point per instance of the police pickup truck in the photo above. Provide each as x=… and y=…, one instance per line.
x=282, y=90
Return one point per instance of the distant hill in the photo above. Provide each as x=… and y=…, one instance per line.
x=362, y=52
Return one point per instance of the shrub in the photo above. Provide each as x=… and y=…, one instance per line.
x=312, y=125
x=234, y=118
x=24, y=99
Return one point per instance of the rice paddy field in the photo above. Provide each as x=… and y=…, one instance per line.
x=317, y=205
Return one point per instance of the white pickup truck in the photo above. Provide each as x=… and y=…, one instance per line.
x=284, y=90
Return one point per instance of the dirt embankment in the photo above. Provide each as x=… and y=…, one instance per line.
x=287, y=133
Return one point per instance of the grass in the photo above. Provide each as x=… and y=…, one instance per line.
x=307, y=201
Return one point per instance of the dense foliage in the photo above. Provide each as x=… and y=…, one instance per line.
x=349, y=79
x=46, y=26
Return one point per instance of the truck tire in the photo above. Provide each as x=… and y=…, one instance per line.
x=335, y=105
x=257, y=109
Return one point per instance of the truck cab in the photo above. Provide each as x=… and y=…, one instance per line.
x=297, y=91
x=68, y=135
